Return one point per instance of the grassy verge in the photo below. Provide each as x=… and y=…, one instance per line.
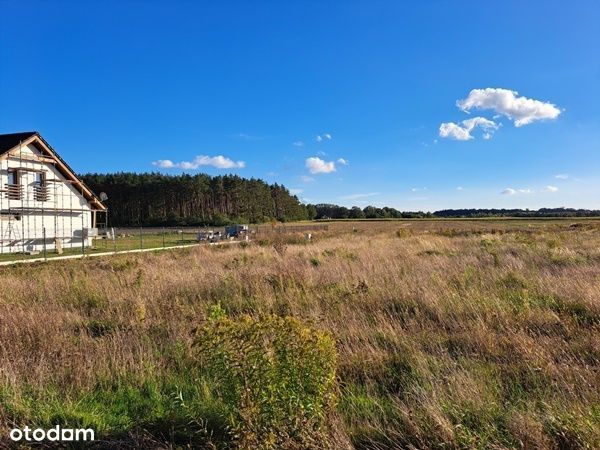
x=122, y=243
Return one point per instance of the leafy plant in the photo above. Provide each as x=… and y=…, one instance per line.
x=275, y=376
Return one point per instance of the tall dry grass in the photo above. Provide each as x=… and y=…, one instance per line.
x=449, y=335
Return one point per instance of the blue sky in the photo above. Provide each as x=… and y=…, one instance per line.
x=249, y=87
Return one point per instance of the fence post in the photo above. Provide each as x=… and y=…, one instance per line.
x=115, y=239
x=44, y=236
x=141, y=239
x=163, y=236
x=82, y=237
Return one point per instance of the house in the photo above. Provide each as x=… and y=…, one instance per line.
x=43, y=204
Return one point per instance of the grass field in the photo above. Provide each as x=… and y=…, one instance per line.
x=449, y=334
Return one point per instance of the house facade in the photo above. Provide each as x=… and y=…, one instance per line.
x=43, y=204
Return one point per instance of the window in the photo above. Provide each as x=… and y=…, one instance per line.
x=40, y=189
x=13, y=187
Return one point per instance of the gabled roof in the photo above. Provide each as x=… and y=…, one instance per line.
x=12, y=141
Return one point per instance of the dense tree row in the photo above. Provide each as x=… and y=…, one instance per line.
x=152, y=199
x=328, y=211
x=542, y=212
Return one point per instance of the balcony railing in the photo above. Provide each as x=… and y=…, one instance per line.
x=16, y=192
x=41, y=193
x=13, y=191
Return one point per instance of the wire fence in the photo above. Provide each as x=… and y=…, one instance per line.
x=125, y=239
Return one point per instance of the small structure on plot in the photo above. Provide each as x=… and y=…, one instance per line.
x=208, y=236
x=236, y=231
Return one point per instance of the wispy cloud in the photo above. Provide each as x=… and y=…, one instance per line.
x=511, y=191
x=457, y=132
x=296, y=191
x=317, y=165
x=562, y=176
x=298, y=144
x=343, y=162
x=521, y=110
x=247, y=137
x=550, y=189
x=306, y=179
x=417, y=189
x=323, y=137
x=358, y=196
x=219, y=162
x=460, y=188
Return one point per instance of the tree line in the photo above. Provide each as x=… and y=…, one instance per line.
x=329, y=211
x=155, y=199
x=542, y=212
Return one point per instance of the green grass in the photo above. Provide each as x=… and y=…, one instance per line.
x=120, y=244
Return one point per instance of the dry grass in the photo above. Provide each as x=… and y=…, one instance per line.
x=450, y=334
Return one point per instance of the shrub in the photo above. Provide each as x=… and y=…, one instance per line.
x=275, y=376
x=403, y=233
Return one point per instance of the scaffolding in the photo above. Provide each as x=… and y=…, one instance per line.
x=40, y=208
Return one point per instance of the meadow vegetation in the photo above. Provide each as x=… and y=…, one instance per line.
x=424, y=334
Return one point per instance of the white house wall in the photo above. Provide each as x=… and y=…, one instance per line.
x=63, y=216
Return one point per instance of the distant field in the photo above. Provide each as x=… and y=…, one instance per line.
x=450, y=334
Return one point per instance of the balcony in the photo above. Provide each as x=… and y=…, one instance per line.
x=13, y=191
x=41, y=193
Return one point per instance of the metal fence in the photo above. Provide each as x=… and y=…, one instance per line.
x=127, y=239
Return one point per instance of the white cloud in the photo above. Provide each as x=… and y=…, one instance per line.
x=358, y=196
x=220, y=162
x=551, y=189
x=460, y=188
x=342, y=161
x=416, y=189
x=164, y=164
x=295, y=191
x=306, y=179
x=521, y=110
x=562, y=176
x=511, y=191
x=298, y=144
x=323, y=137
x=317, y=165
x=463, y=133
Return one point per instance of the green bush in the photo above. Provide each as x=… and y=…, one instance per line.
x=275, y=376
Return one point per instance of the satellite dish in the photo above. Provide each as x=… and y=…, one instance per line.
x=103, y=196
